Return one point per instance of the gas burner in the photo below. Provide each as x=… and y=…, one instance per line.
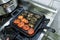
x=4, y=19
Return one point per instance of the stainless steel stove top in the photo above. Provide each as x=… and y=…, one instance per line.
x=19, y=36
x=40, y=34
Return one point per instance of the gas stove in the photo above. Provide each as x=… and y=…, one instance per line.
x=10, y=32
x=15, y=35
x=19, y=36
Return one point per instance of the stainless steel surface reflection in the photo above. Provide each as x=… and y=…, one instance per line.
x=4, y=1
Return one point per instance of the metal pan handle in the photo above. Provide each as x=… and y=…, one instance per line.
x=17, y=11
x=49, y=29
x=46, y=28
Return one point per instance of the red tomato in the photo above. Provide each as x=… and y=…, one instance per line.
x=26, y=27
x=20, y=25
x=17, y=21
x=31, y=31
x=24, y=20
x=20, y=17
